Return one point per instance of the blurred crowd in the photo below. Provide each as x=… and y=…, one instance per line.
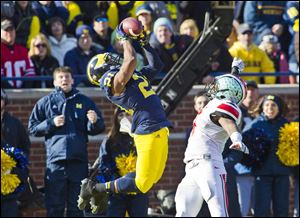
x=39, y=36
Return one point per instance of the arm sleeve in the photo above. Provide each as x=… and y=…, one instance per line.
x=228, y=110
x=155, y=64
x=99, y=126
x=38, y=124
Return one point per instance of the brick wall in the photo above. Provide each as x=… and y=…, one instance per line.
x=21, y=103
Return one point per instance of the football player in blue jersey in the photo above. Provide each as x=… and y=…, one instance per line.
x=131, y=91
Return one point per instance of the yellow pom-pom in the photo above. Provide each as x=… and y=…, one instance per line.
x=288, y=147
x=126, y=164
x=7, y=162
x=9, y=182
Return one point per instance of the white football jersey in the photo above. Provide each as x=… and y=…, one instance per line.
x=207, y=137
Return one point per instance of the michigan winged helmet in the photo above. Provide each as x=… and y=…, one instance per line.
x=99, y=65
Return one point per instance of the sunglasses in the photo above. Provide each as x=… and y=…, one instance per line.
x=41, y=45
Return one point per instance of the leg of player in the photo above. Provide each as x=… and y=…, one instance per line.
x=188, y=198
x=148, y=169
x=213, y=187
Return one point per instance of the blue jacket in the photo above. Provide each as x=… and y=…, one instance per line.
x=272, y=165
x=68, y=142
x=77, y=60
x=262, y=15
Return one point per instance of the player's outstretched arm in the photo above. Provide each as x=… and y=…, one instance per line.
x=126, y=70
x=232, y=130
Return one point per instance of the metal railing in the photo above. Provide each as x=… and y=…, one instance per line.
x=84, y=78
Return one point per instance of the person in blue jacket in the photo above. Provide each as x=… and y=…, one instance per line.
x=272, y=178
x=65, y=117
x=265, y=18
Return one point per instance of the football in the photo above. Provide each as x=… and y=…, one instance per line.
x=132, y=26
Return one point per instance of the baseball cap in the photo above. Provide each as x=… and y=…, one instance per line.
x=251, y=83
x=243, y=28
x=101, y=17
x=144, y=8
x=83, y=29
x=6, y=23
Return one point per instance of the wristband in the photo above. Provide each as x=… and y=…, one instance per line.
x=236, y=137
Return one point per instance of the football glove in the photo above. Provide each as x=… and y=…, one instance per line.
x=120, y=34
x=98, y=202
x=237, y=65
x=142, y=39
x=85, y=194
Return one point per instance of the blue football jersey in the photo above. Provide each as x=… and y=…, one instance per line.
x=139, y=100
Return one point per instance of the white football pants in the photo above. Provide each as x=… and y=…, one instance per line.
x=204, y=180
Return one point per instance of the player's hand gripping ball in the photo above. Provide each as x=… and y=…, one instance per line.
x=132, y=27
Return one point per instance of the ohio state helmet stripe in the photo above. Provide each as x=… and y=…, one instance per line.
x=229, y=109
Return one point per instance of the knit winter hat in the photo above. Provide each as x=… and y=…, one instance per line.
x=163, y=21
x=277, y=100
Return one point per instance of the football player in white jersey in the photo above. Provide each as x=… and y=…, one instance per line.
x=205, y=177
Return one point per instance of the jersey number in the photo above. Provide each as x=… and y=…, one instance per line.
x=143, y=86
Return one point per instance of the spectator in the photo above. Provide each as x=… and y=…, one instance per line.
x=256, y=60
x=13, y=164
x=159, y=9
x=189, y=27
x=102, y=32
x=113, y=164
x=48, y=9
x=65, y=117
x=14, y=58
x=172, y=7
x=193, y=10
x=144, y=14
x=44, y=62
x=10, y=128
x=272, y=178
x=7, y=9
x=271, y=46
x=60, y=42
x=265, y=18
x=89, y=9
x=27, y=23
x=75, y=17
x=168, y=45
x=244, y=177
x=78, y=58
x=116, y=10
x=291, y=16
